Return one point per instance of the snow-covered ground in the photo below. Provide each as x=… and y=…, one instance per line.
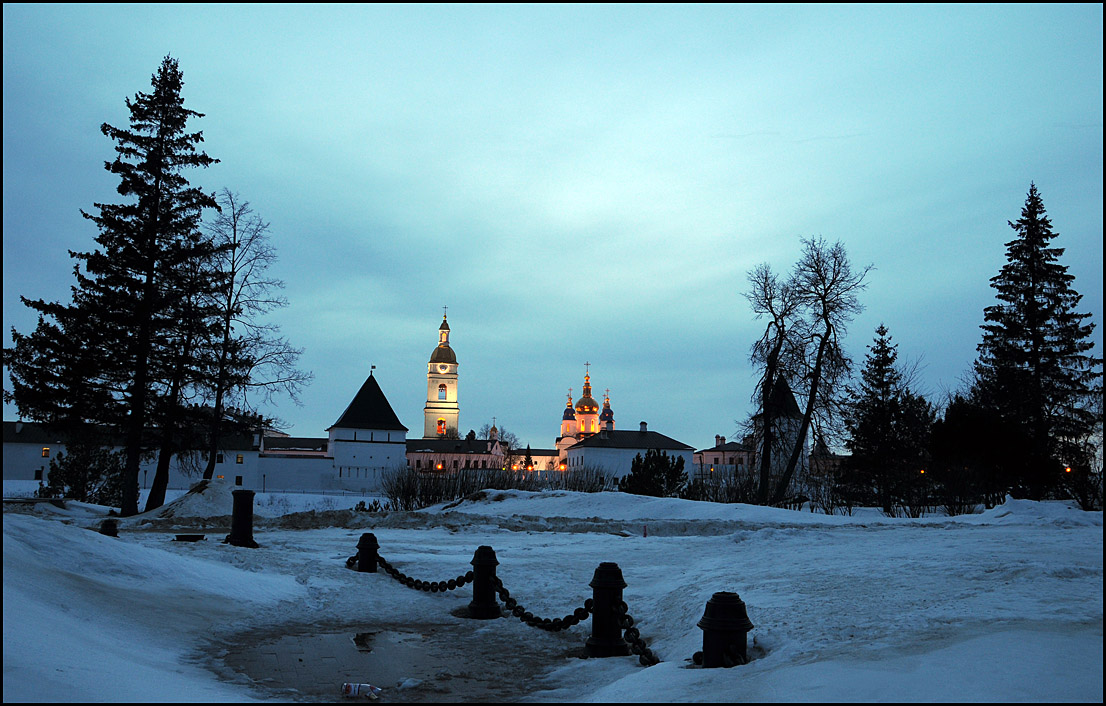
x=1005, y=605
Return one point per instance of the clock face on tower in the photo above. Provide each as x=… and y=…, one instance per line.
x=443, y=368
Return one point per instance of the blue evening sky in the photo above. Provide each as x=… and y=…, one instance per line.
x=578, y=183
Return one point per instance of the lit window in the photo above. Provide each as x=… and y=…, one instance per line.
x=46, y=452
x=240, y=459
x=441, y=426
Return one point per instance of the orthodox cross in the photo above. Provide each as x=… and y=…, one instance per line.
x=444, y=312
x=587, y=368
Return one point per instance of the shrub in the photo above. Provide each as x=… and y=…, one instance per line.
x=87, y=473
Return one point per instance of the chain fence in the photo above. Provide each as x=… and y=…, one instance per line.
x=615, y=632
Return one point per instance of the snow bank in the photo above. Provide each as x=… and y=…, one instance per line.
x=89, y=617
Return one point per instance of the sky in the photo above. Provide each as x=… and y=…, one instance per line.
x=1004, y=605
x=578, y=184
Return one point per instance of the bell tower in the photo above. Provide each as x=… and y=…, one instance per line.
x=441, y=411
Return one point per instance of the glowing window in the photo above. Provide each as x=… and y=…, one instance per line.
x=240, y=459
x=441, y=426
x=46, y=452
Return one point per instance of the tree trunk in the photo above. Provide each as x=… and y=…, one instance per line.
x=161, y=476
x=770, y=371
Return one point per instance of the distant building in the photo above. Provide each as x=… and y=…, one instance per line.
x=725, y=458
x=613, y=451
x=446, y=455
x=367, y=440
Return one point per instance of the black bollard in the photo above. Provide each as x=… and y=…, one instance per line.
x=725, y=627
x=483, y=605
x=606, y=634
x=110, y=527
x=241, y=523
x=367, y=555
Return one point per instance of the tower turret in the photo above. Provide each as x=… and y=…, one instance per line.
x=606, y=417
x=568, y=419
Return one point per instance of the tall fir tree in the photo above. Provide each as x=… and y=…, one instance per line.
x=1035, y=367
x=114, y=351
x=888, y=427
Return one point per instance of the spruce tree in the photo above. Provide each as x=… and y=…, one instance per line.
x=888, y=428
x=118, y=344
x=1035, y=366
x=658, y=475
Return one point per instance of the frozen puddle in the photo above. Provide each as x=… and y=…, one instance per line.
x=473, y=661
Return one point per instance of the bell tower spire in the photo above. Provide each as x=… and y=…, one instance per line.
x=442, y=412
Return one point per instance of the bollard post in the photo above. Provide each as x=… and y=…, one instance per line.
x=606, y=634
x=483, y=605
x=725, y=625
x=110, y=527
x=367, y=555
x=241, y=522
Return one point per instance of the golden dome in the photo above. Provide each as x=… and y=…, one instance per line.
x=587, y=404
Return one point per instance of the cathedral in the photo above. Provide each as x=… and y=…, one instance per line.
x=584, y=419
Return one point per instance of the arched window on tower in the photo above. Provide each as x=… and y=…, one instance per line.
x=441, y=391
x=441, y=426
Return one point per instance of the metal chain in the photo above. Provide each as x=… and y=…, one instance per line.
x=534, y=621
x=428, y=586
x=637, y=645
x=625, y=620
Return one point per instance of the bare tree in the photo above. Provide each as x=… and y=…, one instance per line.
x=252, y=355
x=776, y=301
x=508, y=443
x=801, y=345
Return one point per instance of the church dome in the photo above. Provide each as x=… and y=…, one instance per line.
x=443, y=354
x=569, y=415
x=587, y=404
x=607, y=414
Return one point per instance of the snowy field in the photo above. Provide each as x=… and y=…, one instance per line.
x=1005, y=605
